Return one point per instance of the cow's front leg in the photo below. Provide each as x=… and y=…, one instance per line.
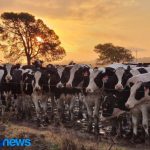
x=71, y=106
x=36, y=104
x=43, y=104
x=145, y=123
x=61, y=108
x=89, y=112
x=135, y=125
x=96, y=116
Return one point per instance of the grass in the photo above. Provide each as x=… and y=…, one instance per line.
x=54, y=138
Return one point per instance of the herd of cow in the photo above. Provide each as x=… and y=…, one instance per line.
x=114, y=89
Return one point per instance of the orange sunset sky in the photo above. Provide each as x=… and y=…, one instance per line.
x=82, y=24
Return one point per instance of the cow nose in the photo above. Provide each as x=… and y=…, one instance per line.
x=37, y=89
x=127, y=105
x=119, y=87
x=88, y=90
x=68, y=85
x=60, y=85
x=8, y=78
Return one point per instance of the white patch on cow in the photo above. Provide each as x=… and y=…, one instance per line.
x=140, y=77
x=8, y=76
x=1, y=74
x=72, y=73
x=134, y=72
x=60, y=70
x=119, y=73
x=92, y=85
x=131, y=102
x=117, y=65
x=37, y=77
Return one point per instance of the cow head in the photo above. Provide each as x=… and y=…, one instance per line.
x=65, y=76
x=95, y=81
x=27, y=83
x=8, y=71
x=122, y=76
x=137, y=93
x=81, y=76
x=53, y=75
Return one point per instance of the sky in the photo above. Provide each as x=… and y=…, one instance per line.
x=82, y=24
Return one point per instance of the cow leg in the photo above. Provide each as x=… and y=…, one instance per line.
x=145, y=124
x=114, y=126
x=43, y=104
x=61, y=108
x=89, y=112
x=135, y=125
x=53, y=104
x=71, y=106
x=96, y=116
x=37, y=108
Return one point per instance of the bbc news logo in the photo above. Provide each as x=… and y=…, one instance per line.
x=15, y=142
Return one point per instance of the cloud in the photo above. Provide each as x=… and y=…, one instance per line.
x=68, y=9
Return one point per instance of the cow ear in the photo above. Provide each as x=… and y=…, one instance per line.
x=1, y=66
x=128, y=68
x=17, y=66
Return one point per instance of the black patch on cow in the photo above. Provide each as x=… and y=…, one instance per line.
x=27, y=83
x=126, y=76
x=65, y=75
x=147, y=86
x=142, y=70
x=109, y=85
x=81, y=75
x=139, y=93
x=108, y=105
x=16, y=82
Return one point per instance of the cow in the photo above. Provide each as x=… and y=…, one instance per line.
x=6, y=83
x=122, y=75
x=76, y=76
x=94, y=93
x=139, y=100
x=40, y=91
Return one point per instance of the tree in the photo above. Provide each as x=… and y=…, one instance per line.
x=25, y=36
x=108, y=53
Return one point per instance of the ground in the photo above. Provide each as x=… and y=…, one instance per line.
x=59, y=138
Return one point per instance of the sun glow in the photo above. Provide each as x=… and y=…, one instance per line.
x=39, y=39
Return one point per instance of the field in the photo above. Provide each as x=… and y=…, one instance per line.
x=60, y=138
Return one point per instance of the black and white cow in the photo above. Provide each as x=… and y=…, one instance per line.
x=6, y=83
x=74, y=79
x=95, y=91
x=140, y=93
x=122, y=75
x=41, y=91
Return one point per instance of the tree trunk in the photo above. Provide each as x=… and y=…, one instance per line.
x=28, y=60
